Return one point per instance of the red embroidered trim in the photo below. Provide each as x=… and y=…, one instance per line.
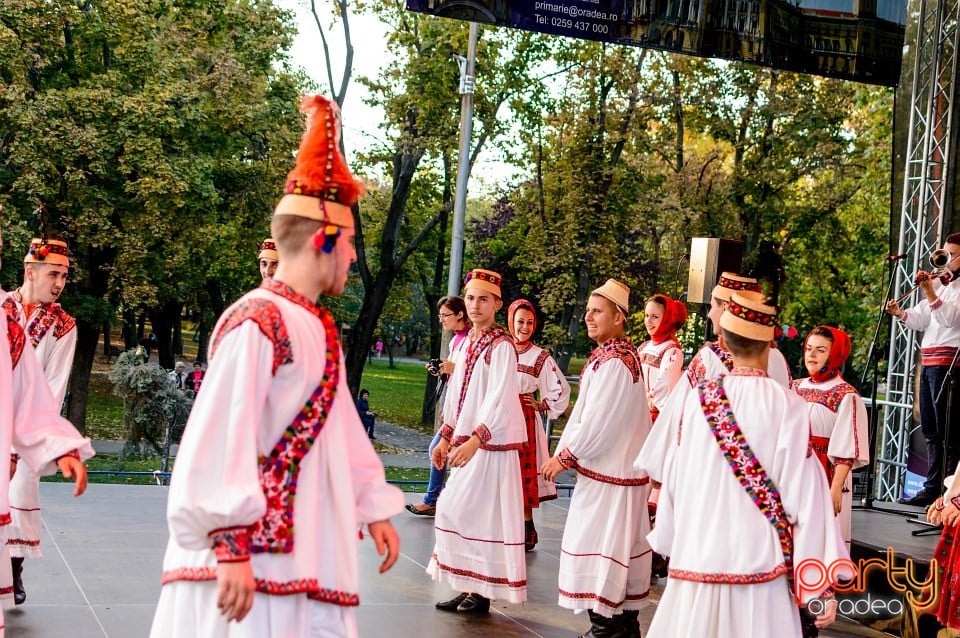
x=279, y=471
x=6, y=591
x=446, y=432
x=18, y=340
x=697, y=370
x=609, y=558
x=956, y=501
x=830, y=398
x=612, y=480
x=269, y=320
x=478, y=540
x=231, y=545
x=516, y=584
x=654, y=360
x=5, y=519
x=567, y=459
x=743, y=371
x=537, y=366
x=749, y=314
x=23, y=542
x=616, y=348
x=745, y=465
x=819, y=446
x=936, y=304
x=49, y=316
x=14, y=457
x=483, y=433
x=730, y=579
x=309, y=586
x=606, y=602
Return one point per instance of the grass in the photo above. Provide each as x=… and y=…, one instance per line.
x=104, y=411
x=396, y=394
x=401, y=474
x=111, y=463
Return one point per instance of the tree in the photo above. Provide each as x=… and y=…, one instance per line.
x=142, y=129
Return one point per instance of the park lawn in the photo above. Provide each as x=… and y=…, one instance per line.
x=396, y=394
x=104, y=411
x=111, y=463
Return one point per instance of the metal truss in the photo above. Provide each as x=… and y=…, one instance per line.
x=925, y=207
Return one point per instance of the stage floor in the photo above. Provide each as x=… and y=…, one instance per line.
x=100, y=575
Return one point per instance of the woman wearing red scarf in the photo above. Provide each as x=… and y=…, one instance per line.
x=537, y=372
x=661, y=357
x=838, y=417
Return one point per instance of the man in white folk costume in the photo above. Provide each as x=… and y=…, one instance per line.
x=268, y=258
x=275, y=475
x=604, y=555
x=713, y=360
x=734, y=452
x=479, y=548
x=52, y=334
x=30, y=423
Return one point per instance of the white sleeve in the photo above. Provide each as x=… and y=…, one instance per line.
x=947, y=313
x=849, y=439
x=216, y=480
x=554, y=389
x=40, y=434
x=57, y=370
x=503, y=386
x=917, y=317
x=671, y=369
x=599, y=428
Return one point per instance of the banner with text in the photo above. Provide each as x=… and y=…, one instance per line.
x=858, y=40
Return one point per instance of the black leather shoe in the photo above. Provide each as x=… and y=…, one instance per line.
x=19, y=593
x=922, y=498
x=474, y=604
x=630, y=624
x=453, y=603
x=603, y=627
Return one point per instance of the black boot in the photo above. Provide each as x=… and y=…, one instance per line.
x=603, y=627
x=530, y=537
x=19, y=593
x=630, y=624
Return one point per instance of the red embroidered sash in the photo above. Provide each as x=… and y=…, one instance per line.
x=279, y=470
x=745, y=465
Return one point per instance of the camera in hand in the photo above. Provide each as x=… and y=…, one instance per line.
x=433, y=366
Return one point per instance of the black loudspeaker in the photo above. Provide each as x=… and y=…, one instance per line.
x=708, y=258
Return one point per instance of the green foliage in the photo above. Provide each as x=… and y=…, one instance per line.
x=150, y=402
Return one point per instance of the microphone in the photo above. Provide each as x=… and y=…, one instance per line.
x=897, y=257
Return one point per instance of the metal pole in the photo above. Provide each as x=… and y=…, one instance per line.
x=463, y=162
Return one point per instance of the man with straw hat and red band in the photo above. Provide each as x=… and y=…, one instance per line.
x=275, y=474
x=30, y=423
x=536, y=372
x=479, y=520
x=605, y=558
x=268, y=258
x=712, y=360
x=741, y=434
x=52, y=333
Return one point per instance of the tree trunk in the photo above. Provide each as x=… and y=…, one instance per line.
x=105, y=329
x=162, y=319
x=129, y=329
x=178, y=333
x=573, y=327
x=374, y=299
x=79, y=385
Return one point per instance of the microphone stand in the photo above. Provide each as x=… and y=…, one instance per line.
x=873, y=364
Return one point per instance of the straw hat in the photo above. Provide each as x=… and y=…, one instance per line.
x=616, y=292
x=747, y=315
x=48, y=251
x=731, y=282
x=486, y=280
x=268, y=250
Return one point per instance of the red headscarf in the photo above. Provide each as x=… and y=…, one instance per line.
x=674, y=316
x=839, y=352
x=512, y=310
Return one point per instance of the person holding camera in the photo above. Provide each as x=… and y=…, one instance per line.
x=452, y=312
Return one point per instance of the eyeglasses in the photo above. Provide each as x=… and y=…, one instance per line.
x=443, y=316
